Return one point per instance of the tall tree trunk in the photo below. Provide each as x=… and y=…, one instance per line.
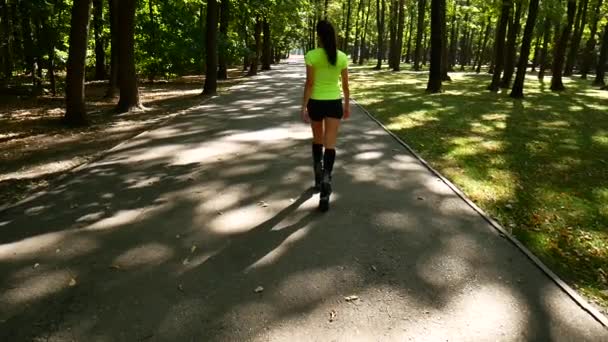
x=483, y=45
x=222, y=72
x=325, y=9
x=499, y=44
x=577, y=35
x=347, y=31
x=393, y=23
x=7, y=58
x=522, y=65
x=380, y=11
x=560, y=49
x=210, y=87
x=75, y=113
x=453, y=38
x=511, y=47
x=588, y=52
x=153, y=47
x=399, y=42
x=28, y=41
x=363, y=52
x=444, y=44
x=358, y=24
x=437, y=26
x=545, y=49
x=408, y=53
x=600, y=70
x=419, y=30
x=267, y=53
x=127, y=79
x=100, y=60
x=257, y=36
x=113, y=8
x=464, y=41
x=536, y=54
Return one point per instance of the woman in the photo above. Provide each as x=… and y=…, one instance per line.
x=322, y=105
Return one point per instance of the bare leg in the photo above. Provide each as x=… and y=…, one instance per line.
x=329, y=156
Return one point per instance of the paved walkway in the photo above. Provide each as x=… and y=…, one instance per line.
x=170, y=235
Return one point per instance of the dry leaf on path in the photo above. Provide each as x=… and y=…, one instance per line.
x=259, y=289
x=332, y=315
x=72, y=282
x=193, y=249
x=36, y=265
x=186, y=262
x=351, y=298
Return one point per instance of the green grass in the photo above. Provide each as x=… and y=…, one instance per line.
x=538, y=165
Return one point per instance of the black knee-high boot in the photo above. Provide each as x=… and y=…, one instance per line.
x=317, y=156
x=328, y=162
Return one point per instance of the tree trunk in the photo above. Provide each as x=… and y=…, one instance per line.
x=545, y=49
x=210, y=87
x=113, y=8
x=380, y=14
x=560, y=49
x=408, y=54
x=444, y=44
x=100, y=60
x=601, y=63
x=363, y=52
x=28, y=41
x=499, y=44
x=222, y=72
x=347, y=31
x=399, y=40
x=419, y=30
x=75, y=113
x=254, y=61
x=7, y=59
x=325, y=9
x=484, y=44
x=591, y=42
x=453, y=38
x=536, y=54
x=518, y=86
x=464, y=41
x=393, y=23
x=437, y=26
x=358, y=24
x=577, y=35
x=267, y=53
x=127, y=79
x=511, y=47
x=153, y=47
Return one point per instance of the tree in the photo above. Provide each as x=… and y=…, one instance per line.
x=100, y=61
x=577, y=35
x=482, y=46
x=600, y=71
x=210, y=87
x=408, y=53
x=560, y=49
x=437, y=9
x=267, y=50
x=113, y=84
x=591, y=42
x=358, y=20
x=518, y=85
x=347, y=32
x=380, y=15
x=222, y=73
x=255, y=58
x=364, y=48
x=545, y=49
x=514, y=28
x=127, y=79
x=399, y=40
x=75, y=113
x=419, y=30
x=499, y=44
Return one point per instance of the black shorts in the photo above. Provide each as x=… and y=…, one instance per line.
x=321, y=109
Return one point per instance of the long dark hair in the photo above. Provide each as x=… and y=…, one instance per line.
x=327, y=35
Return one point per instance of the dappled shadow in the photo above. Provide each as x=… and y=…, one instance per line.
x=168, y=237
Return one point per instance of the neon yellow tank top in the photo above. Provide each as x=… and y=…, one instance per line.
x=327, y=77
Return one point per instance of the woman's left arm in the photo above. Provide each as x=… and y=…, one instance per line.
x=307, y=92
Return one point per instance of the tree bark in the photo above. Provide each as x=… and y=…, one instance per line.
x=536, y=54
x=100, y=60
x=518, y=85
x=408, y=53
x=222, y=72
x=545, y=49
x=499, y=44
x=600, y=71
x=325, y=9
x=579, y=27
x=560, y=50
x=588, y=52
x=127, y=79
x=210, y=87
x=153, y=47
x=464, y=41
x=113, y=84
x=444, y=44
x=28, y=41
x=380, y=14
x=393, y=23
x=483, y=45
x=363, y=52
x=75, y=113
x=347, y=31
x=434, y=84
x=358, y=24
x=7, y=59
x=419, y=30
x=399, y=42
x=511, y=47
x=255, y=60
x=267, y=53
x=453, y=38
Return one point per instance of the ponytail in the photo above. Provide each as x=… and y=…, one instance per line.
x=327, y=35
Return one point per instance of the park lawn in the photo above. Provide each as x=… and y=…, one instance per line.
x=539, y=165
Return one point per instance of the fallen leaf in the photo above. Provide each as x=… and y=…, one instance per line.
x=259, y=289
x=72, y=282
x=351, y=298
x=192, y=249
x=36, y=265
x=292, y=200
x=115, y=267
x=180, y=287
x=185, y=262
x=332, y=315
x=421, y=198
x=57, y=250
x=374, y=268
x=220, y=213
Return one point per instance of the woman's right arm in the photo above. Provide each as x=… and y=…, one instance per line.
x=346, y=91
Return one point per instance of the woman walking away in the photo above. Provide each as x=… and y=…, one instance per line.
x=322, y=105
